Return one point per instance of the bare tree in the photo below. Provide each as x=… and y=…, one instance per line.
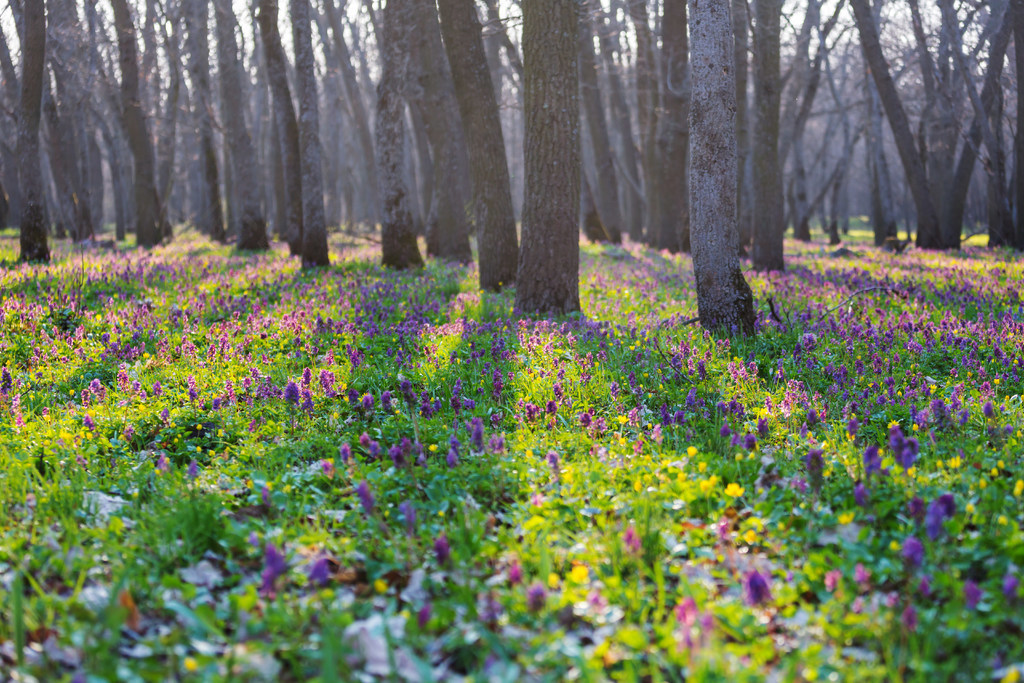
x=769, y=212
x=33, y=59
x=252, y=226
x=1017, y=9
x=495, y=221
x=314, y=224
x=548, y=280
x=724, y=300
x=286, y=125
x=148, y=225
x=671, y=214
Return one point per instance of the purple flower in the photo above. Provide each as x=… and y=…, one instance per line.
x=291, y=393
x=972, y=594
x=632, y=540
x=1010, y=584
x=862, y=575
x=87, y=421
x=852, y=426
x=408, y=516
x=442, y=549
x=872, y=461
x=536, y=596
x=423, y=616
x=756, y=589
x=476, y=435
x=913, y=552
x=193, y=470
x=815, y=468
x=988, y=410
x=515, y=573
x=320, y=571
x=274, y=566
x=368, y=402
x=453, y=458
x=832, y=579
x=939, y=510
x=750, y=442
x=366, y=498
x=860, y=494
x=725, y=431
x=345, y=453
x=686, y=612
x=915, y=508
x=552, y=459
x=909, y=618
x=385, y=401
x=162, y=464
x=397, y=456
x=265, y=495
x=924, y=587
x=762, y=427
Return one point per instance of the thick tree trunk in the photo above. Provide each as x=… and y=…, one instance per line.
x=928, y=232
x=252, y=226
x=314, y=224
x=769, y=212
x=148, y=226
x=607, y=199
x=33, y=41
x=548, y=280
x=672, y=214
x=648, y=102
x=497, y=246
x=724, y=300
x=398, y=235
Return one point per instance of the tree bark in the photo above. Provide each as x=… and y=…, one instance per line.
x=1017, y=7
x=928, y=232
x=315, y=252
x=398, y=236
x=32, y=239
x=769, y=212
x=672, y=217
x=286, y=126
x=252, y=226
x=648, y=101
x=724, y=301
x=607, y=199
x=448, y=222
x=744, y=215
x=497, y=247
x=548, y=280
x=148, y=226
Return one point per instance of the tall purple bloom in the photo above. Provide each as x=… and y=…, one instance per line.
x=756, y=589
x=442, y=549
x=274, y=566
x=291, y=393
x=1010, y=584
x=408, y=516
x=860, y=494
x=972, y=594
x=913, y=552
x=320, y=571
x=366, y=498
x=536, y=596
x=939, y=510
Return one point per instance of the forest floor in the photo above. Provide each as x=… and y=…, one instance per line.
x=214, y=466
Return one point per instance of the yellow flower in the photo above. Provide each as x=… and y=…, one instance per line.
x=1012, y=676
x=1018, y=488
x=691, y=451
x=433, y=448
x=553, y=580
x=846, y=518
x=750, y=536
x=970, y=508
x=1002, y=520
x=622, y=419
x=994, y=472
x=702, y=467
x=579, y=574
x=705, y=485
x=191, y=665
x=380, y=585
x=894, y=546
x=734, y=490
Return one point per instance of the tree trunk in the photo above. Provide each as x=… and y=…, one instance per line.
x=448, y=221
x=148, y=227
x=769, y=218
x=398, y=237
x=607, y=199
x=744, y=215
x=1017, y=7
x=928, y=233
x=497, y=246
x=33, y=41
x=286, y=125
x=647, y=103
x=314, y=224
x=548, y=280
x=252, y=226
x=724, y=301
x=672, y=215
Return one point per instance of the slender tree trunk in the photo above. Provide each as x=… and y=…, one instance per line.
x=252, y=226
x=448, y=223
x=496, y=227
x=607, y=199
x=928, y=232
x=33, y=58
x=398, y=236
x=286, y=125
x=724, y=300
x=769, y=212
x=314, y=224
x=648, y=101
x=148, y=227
x=1017, y=7
x=744, y=190
x=211, y=213
x=672, y=215
x=548, y=280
